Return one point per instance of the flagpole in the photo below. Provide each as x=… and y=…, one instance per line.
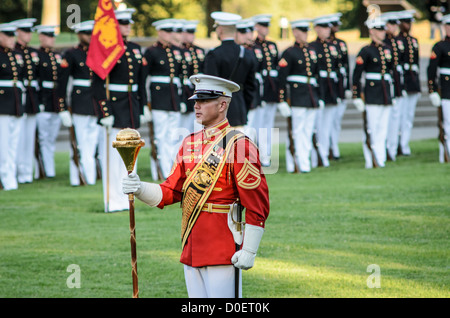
x=107, y=148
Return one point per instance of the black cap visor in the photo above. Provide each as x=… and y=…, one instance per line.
x=206, y=94
x=8, y=33
x=303, y=29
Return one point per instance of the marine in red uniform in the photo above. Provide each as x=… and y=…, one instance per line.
x=216, y=170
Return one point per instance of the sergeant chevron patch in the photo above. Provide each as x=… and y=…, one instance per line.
x=249, y=177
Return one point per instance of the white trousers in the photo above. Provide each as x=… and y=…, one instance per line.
x=48, y=128
x=394, y=127
x=254, y=123
x=446, y=120
x=113, y=171
x=267, y=116
x=324, y=123
x=10, y=127
x=408, y=111
x=303, y=120
x=211, y=281
x=168, y=137
x=86, y=132
x=377, y=125
x=25, y=162
x=336, y=128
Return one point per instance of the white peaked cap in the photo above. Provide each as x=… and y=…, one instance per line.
x=190, y=25
x=83, y=26
x=245, y=23
x=225, y=18
x=212, y=86
x=24, y=23
x=165, y=24
x=179, y=24
x=406, y=14
x=301, y=23
x=264, y=18
x=324, y=19
x=125, y=14
x=7, y=27
x=336, y=17
x=46, y=28
x=391, y=16
x=375, y=23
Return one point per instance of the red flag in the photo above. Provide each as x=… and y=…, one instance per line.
x=106, y=46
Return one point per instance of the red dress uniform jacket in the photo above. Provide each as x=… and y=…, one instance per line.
x=210, y=241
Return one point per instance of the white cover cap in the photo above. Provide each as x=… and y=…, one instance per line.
x=336, y=18
x=377, y=23
x=245, y=24
x=262, y=18
x=406, y=15
x=7, y=27
x=190, y=25
x=225, y=18
x=210, y=87
x=164, y=24
x=323, y=20
x=24, y=23
x=48, y=29
x=84, y=26
x=301, y=23
x=391, y=17
x=125, y=14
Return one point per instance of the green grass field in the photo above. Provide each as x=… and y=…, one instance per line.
x=324, y=230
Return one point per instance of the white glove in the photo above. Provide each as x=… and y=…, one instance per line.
x=107, y=122
x=435, y=99
x=359, y=104
x=183, y=108
x=348, y=94
x=321, y=104
x=131, y=183
x=404, y=93
x=42, y=108
x=147, y=114
x=146, y=117
x=245, y=258
x=285, y=109
x=66, y=118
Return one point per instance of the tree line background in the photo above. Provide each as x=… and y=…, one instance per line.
x=149, y=11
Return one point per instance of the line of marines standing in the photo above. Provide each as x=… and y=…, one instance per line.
x=309, y=83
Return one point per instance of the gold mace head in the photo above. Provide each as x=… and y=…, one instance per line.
x=128, y=143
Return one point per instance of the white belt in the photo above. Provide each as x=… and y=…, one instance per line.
x=302, y=79
x=258, y=76
x=11, y=83
x=33, y=83
x=272, y=73
x=444, y=71
x=81, y=82
x=123, y=87
x=165, y=79
x=324, y=74
x=377, y=76
x=413, y=67
x=48, y=84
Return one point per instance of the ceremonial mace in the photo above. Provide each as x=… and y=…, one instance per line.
x=128, y=143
